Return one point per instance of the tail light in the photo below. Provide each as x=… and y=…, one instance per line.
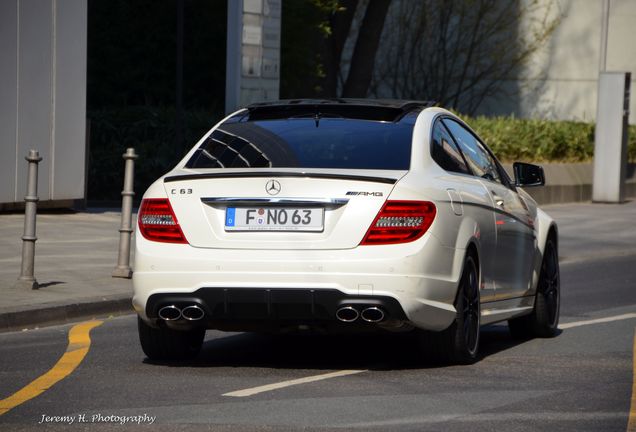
x=157, y=221
x=400, y=222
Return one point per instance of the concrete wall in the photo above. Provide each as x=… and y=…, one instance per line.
x=43, y=96
x=560, y=82
x=572, y=182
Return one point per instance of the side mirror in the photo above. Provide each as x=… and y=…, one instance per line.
x=528, y=174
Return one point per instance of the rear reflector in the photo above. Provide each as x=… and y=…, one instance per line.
x=400, y=222
x=157, y=221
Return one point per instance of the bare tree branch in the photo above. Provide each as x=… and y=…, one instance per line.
x=459, y=52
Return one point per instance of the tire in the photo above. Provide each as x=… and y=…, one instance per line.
x=459, y=343
x=544, y=319
x=165, y=344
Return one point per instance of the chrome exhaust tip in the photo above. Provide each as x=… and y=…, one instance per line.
x=347, y=314
x=170, y=313
x=192, y=313
x=372, y=314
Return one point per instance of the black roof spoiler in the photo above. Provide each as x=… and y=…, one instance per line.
x=365, y=109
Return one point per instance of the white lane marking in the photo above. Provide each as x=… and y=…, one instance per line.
x=275, y=386
x=282, y=384
x=597, y=321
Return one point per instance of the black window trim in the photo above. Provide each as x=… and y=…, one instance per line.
x=502, y=173
x=437, y=120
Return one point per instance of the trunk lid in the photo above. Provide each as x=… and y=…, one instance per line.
x=282, y=209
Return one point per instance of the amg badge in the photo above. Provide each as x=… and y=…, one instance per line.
x=375, y=194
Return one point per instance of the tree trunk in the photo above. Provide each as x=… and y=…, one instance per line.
x=366, y=47
x=340, y=23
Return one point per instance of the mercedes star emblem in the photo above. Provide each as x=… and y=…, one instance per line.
x=273, y=187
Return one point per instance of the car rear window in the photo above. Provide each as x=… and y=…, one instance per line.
x=308, y=142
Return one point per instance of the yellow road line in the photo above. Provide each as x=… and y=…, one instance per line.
x=79, y=342
x=631, y=423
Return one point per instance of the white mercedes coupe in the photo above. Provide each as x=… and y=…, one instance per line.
x=343, y=215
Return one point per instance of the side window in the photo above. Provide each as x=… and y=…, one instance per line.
x=480, y=161
x=445, y=152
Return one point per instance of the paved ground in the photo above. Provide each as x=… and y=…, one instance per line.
x=75, y=256
x=578, y=381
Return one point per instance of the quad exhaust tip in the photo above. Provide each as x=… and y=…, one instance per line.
x=170, y=313
x=347, y=314
x=188, y=313
x=372, y=314
x=192, y=313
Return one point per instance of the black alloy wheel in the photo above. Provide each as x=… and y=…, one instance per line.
x=544, y=319
x=548, y=301
x=459, y=343
x=470, y=306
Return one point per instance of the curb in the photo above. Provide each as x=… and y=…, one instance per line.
x=56, y=314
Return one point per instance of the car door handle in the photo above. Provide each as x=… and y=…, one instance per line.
x=498, y=200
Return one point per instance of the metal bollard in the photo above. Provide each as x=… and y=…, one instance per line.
x=27, y=279
x=123, y=269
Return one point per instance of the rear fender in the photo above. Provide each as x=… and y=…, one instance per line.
x=467, y=235
x=544, y=225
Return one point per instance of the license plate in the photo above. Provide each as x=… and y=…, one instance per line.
x=274, y=219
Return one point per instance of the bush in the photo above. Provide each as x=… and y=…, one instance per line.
x=151, y=132
x=515, y=139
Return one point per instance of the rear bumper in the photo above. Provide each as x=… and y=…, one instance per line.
x=256, y=308
x=415, y=282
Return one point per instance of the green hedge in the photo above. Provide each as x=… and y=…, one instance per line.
x=151, y=131
x=515, y=139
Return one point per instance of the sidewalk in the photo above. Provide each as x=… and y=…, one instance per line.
x=76, y=253
x=74, y=257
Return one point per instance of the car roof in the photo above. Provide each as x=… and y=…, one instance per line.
x=365, y=109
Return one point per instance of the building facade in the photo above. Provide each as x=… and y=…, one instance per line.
x=43, y=97
x=561, y=80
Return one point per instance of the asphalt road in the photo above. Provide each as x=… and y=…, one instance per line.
x=579, y=381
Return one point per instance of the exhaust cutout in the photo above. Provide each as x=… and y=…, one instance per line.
x=347, y=314
x=372, y=314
